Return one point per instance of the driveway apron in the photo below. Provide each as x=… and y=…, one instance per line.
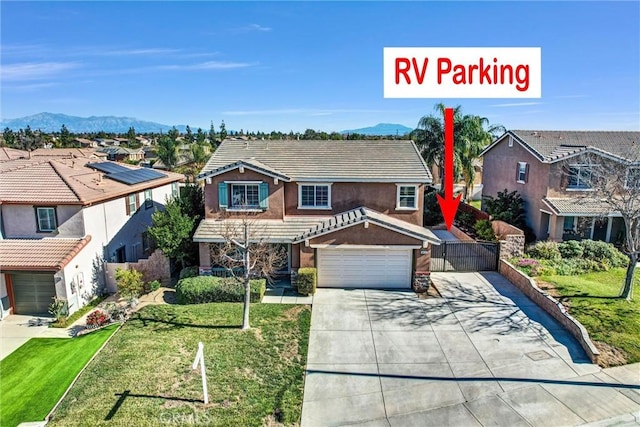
x=481, y=354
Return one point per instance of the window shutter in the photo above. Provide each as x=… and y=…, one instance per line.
x=263, y=193
x=126, y=205
x=526, y=173
x=137, y=201
x=517, y=171
x=223, y=197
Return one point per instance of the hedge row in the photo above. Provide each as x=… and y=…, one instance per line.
x=205, y=289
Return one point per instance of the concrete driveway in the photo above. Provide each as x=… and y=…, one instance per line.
x=483, y=354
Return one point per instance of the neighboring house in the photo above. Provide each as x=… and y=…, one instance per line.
x=61, y=218
x=62, y=152
x=476, y=190
x=544, y=167
x=86, y=143
x=352, y=209
x=121, y=154
x=7, y=153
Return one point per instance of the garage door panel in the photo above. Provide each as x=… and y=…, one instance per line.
x=364, y=267
x=33, y=293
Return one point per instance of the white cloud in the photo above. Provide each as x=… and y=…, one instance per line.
x=34, y=70
x=259, y=28
x=209, y=65
x=516, y=104
x=143, y=51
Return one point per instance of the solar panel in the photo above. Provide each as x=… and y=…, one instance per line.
x=136, y=176
x=108, y=167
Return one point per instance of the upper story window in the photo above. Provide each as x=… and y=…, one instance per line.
x=243, y=195
x=407, y=197
x=314, y=196
x=148, y=199
x=46, y=217
x=579, y=177
x=174, y=190
x=633, y=178
x=131, y=203
x=522, y=172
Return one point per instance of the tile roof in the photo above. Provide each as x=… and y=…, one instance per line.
x=361, y=215
x=281, y=231
x=249, y=163
x=337, y=161
x=64, y=181
x=577, y=206
x=62, y=152
x=39, y=254
x=7, y=153
x=552, y=146
x=295, y=230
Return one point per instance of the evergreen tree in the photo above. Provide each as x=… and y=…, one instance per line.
x=223, y=131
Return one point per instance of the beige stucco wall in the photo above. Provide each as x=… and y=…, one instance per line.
x=19, y=221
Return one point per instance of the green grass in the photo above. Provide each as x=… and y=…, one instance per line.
x=63, y=323
x=476, y=203
x=592, y=300
x=36, y=375
x=254, y=376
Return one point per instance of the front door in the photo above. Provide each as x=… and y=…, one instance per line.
x=121, y=254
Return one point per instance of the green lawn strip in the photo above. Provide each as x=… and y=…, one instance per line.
x=593, y=301
x=37, y=374
x=252, y=374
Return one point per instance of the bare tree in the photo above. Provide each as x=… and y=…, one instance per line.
x=613, y=181
x=245, y=254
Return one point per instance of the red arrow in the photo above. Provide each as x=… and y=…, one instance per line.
x=448, y=204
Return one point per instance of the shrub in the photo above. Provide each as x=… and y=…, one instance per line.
x=484, y=230
x=59, y=309
x=307, y=278
x=130, y=284
x=97, y=318
x=467, y=219
x=152, y=286
x=205, y=289
x=604, y=253
x=570, y=249
x=115, y=311
x=432, y=215
x=189, y=272
x=544, y=250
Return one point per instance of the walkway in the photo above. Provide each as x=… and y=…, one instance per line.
x=482, y=354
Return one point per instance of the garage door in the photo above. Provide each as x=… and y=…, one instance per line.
x=32, y=292
x=364, y=268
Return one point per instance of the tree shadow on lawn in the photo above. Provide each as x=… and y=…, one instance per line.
x=127, y=393
x=175, y=323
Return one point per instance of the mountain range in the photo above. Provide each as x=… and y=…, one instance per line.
x=51, y=122
x=382, y=129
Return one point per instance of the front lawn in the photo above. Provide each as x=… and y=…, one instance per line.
x=143, y=377
x=591, y=298
x=36, y=375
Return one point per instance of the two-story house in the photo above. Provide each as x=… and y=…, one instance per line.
x=546, y=169
x=62, y=217
x=352, y=209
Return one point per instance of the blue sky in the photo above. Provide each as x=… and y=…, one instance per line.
x=294, y=65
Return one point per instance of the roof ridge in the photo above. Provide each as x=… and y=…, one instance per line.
x=58, y=172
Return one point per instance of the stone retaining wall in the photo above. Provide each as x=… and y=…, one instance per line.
x=551, y=306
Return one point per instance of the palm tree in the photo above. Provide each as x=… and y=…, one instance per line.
x=471, y=134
